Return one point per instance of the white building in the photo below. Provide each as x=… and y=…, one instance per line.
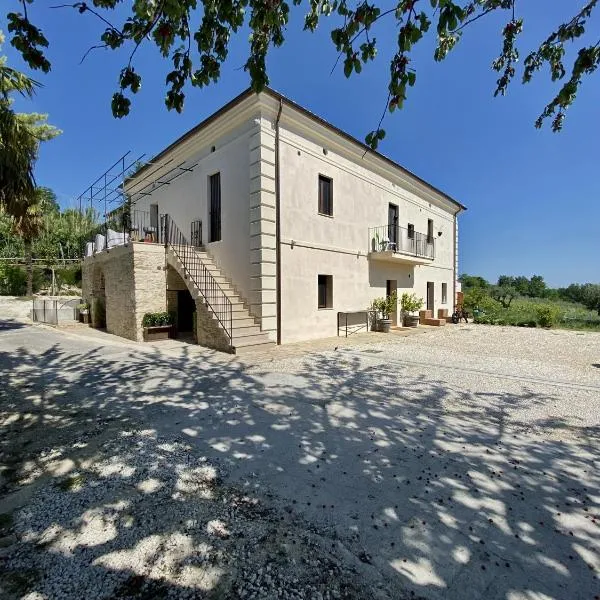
x=297, y=219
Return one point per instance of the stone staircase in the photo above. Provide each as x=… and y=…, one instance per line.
x=246, y=335
x=426, y=317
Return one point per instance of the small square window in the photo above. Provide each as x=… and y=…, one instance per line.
x=325, y=291
x=411, y=231
x=444, y=293
x=325, y=196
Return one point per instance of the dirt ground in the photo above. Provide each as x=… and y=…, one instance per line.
x=459, y=464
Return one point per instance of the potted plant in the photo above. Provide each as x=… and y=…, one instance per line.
x=409, y=304
x=157, y=326
x=383, y=308
x=388, y=306
x=375, y=310
x=84, y=313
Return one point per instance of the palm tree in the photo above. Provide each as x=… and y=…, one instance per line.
x=20, y=137
x=31, y=225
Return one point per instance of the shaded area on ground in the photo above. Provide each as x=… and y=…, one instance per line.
x=399, y=482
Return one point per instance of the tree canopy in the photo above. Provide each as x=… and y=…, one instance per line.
x=20, y=138
x=195, y=36
x=510, y=287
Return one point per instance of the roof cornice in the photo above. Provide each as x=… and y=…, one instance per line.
x=223, y=121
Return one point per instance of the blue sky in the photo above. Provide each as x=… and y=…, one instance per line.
x=533, y=196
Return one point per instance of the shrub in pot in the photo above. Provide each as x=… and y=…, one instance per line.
x=383, y=308
x=409, y=304
x=375, y=310
x=157, y=326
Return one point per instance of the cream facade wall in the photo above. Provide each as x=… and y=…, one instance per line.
x=241, y=145
x=186, y=199
x=315, y=244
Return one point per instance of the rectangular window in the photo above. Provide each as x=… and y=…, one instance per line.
x=325, y=291
x=444, y=293
x=154, y=216
x=411, y=231
x=393, y=225
x=214, y=184
x=325, y=196
x=429, y=231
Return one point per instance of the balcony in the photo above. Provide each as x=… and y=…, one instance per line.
x=400, y=245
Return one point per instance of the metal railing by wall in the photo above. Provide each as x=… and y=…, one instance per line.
x=394, y=238
x=214, y=297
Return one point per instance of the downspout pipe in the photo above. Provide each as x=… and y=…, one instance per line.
x=278, y=226
x=455, y=255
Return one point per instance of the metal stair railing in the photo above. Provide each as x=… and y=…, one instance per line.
x=194, y=269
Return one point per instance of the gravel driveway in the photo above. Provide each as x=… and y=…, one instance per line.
x=460, y=464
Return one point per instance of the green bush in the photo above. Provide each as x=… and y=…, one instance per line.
x=157, y=319
x=547, y=315
x=69, y=276
x=13, y=281
x=478, y=298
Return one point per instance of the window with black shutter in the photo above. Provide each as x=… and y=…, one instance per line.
x=429, y=231
x=411, y=231
x=215, y=207
x=325, y=196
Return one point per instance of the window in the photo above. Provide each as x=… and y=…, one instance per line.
x=444, y=293
x=411, y=231
x=325, y=291
x=214, y=184
x=429, y=231
x=325, y=196
x=393, y=225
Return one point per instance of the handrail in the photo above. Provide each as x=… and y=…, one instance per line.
x=400, y=239
x=214, y=296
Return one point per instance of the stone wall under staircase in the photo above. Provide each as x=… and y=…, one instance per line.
x=246, y=333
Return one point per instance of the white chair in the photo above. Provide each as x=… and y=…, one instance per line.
x=100, y=243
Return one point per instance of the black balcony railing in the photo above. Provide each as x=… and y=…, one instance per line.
x=194, y=269
x=393, y=238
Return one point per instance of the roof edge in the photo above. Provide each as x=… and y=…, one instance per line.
x=280, y=97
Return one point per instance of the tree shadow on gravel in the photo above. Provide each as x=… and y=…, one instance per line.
x=142, y=475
